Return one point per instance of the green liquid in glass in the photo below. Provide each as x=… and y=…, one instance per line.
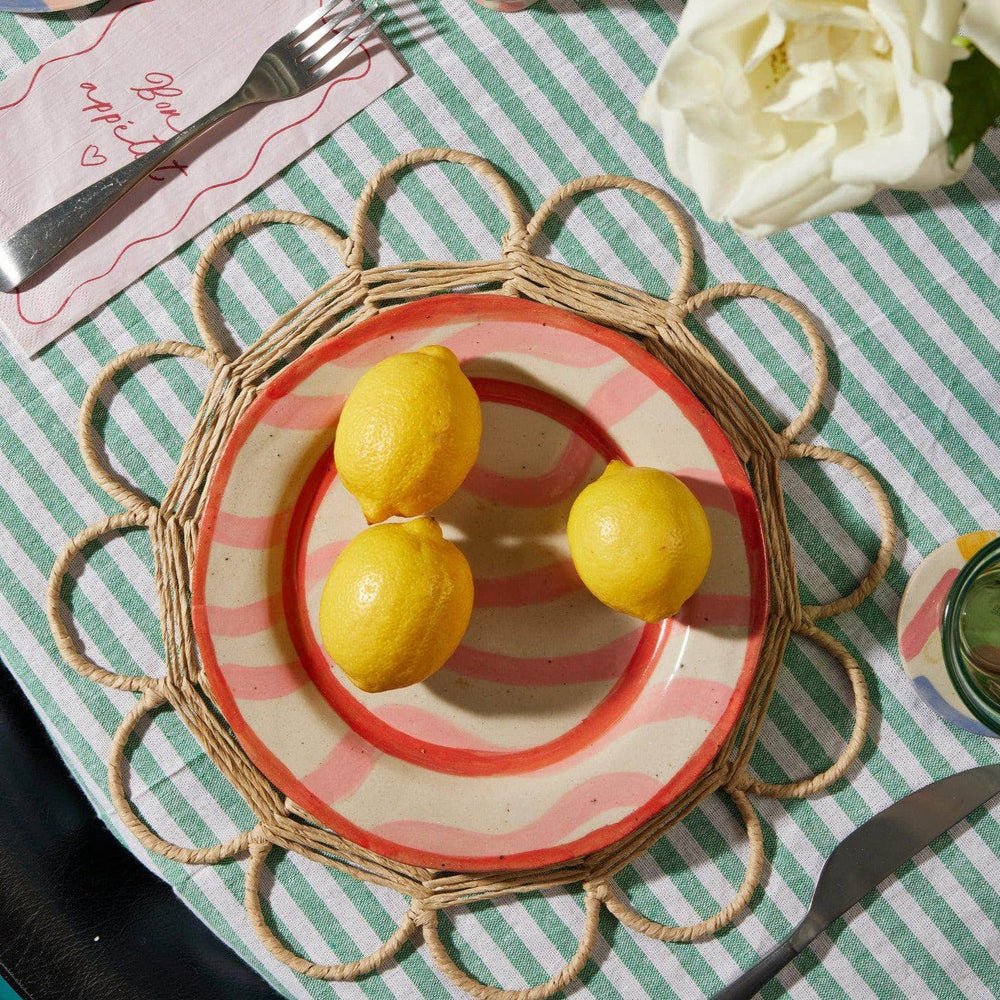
x=980, y=621
x=979, y=629
x=970, y=634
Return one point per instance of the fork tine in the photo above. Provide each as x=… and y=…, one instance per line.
x=343, y=35
x=338, y=38
x=310, y=19
x=335, y=60
x=303, y=45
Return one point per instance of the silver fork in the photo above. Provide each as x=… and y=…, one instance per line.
x=302, y=59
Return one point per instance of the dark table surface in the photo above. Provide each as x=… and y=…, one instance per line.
x=80, y=917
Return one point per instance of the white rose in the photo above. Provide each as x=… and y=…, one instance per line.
x=778, y=111
x=981, y=24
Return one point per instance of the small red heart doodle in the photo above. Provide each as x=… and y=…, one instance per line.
x=92, y=157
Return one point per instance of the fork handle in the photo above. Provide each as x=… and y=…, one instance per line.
x=35, y=244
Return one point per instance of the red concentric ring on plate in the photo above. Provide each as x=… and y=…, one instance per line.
x=439, y=757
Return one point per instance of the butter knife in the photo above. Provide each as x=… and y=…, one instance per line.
x=870, y=854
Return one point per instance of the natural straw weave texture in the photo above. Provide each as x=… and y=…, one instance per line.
x=356, y=294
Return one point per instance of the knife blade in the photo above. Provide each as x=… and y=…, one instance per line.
x=870, y=854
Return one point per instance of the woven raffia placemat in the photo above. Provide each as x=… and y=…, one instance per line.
x=660, y=326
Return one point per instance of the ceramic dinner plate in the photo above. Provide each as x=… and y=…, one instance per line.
x=558, y=725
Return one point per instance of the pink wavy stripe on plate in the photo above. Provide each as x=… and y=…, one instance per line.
x=263, y=683
x=533, y=586
x=559, y=483
x=678, y=698
x=681, y=698
x=244, y=532
x=532, y=339
x=245, y=619
x=623, y=790
x=320, y=561
x=617, y=398
x=426, y=725
x=344, y=770
x=715, y=610
x=376, y=350
x=293, y=412
x=604, y=664
x=927, y=618
x=620, y=396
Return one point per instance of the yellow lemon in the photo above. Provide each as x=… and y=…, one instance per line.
x=408, y=434
x=396, y=604
x=640, y=541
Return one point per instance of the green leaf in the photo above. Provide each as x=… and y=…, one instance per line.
x=975, y=102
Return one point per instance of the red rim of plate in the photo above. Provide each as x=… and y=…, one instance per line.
x=441, y=310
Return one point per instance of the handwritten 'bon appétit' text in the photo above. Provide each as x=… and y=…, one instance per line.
x=157, y=89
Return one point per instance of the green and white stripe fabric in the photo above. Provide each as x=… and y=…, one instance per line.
x=907, y=292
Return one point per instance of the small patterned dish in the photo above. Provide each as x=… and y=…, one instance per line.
x=922, y=648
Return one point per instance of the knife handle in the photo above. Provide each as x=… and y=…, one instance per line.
x=766, y=969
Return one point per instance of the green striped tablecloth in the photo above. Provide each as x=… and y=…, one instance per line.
x=907, y=293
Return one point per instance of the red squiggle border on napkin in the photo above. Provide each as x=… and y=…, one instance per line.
x=71, y=55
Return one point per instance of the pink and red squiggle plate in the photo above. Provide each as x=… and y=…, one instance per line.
x=558, y=725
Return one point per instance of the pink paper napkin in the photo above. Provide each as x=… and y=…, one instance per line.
x=116, y=87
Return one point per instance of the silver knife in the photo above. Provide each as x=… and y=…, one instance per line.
x=868, y=855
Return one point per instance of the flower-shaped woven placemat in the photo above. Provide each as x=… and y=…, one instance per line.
x=660, y=326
